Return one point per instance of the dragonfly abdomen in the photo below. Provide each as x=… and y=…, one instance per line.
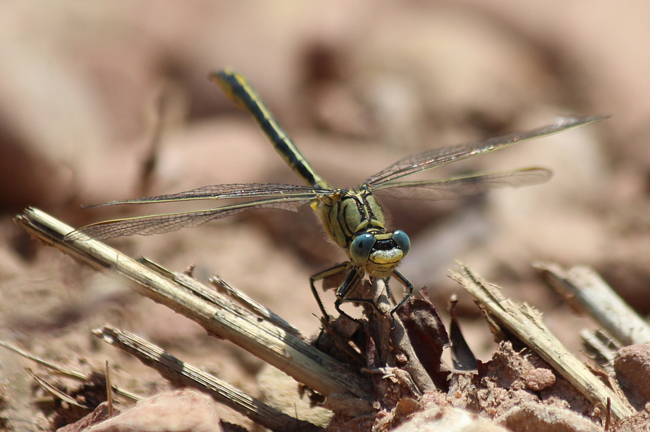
x=239, y=90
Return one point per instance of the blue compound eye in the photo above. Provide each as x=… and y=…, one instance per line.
x=361, y=247
x=402, y=240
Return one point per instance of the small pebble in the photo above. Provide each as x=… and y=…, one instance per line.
x=539, y=379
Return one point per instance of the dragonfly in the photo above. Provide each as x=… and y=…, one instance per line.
x=352, y=218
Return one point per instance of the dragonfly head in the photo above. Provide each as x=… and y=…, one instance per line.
x=379, y=253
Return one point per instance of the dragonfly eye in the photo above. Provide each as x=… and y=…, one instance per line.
x=402, y=240
x=361, y=247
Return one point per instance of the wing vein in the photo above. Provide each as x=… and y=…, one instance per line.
x=164, y=223
x=442, y=156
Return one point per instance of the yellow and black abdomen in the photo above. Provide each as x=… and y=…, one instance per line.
x=241, y=92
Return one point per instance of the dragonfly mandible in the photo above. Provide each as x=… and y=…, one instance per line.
x=352, y=218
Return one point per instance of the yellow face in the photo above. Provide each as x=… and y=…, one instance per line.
x=381, y=263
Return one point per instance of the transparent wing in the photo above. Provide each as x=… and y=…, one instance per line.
x=164, y=223
x=225, y=191
x=464, y=186
x=442, y=156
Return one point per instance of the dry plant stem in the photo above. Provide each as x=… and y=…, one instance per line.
x=177, y=371
x=57, y=393
x=413, y=366
x=396, y=339
x=217, y=314
x=600, y=346
x=383, y=322
x=109, y=390
x=65, y=372
x=222, y=286
x=527, y=325
x=254, y=306
x=584, y=286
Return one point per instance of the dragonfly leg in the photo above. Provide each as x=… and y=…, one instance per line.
x=348, y=286
x=339, y=268
x=401, y=279
x=388, y=291
x=351, y=282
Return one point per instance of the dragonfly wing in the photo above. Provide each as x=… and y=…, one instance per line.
x=442, y=156
x=164, y=223
x=464, y=186
x=224, y=191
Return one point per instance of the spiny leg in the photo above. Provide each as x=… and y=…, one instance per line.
x=401, y=279
x=389, y=291
x=339, y=268
x=351, y=282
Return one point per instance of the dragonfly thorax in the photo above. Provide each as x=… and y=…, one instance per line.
x=348, y=214
x=355, y=221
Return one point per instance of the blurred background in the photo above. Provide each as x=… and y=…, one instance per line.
x=110, y=100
